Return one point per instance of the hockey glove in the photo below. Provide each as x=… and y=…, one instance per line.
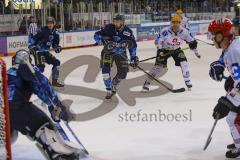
x=60, y=112
x=216, y=71
x=193, y=45
x=229, y=84
x=58, y=49
x=134, y=62
x=32, y=49
x=222, y=108
x=98, y=39
x=55, y=112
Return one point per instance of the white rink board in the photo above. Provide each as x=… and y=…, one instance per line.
x=74, y=39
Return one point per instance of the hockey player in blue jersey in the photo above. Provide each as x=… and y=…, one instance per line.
x=116, y=34
x=27, y=118
x=39, y=46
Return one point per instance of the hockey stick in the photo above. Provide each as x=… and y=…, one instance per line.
x=209, y=139
x=157, y=56
x=66, y=123
x=169, y=89
x=204, y=42
x=196, y=53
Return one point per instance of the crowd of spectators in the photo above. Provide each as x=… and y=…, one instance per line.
x=154, y=10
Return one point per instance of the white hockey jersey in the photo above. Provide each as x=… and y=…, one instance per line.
x=170, y=40
x=184, y=22
x=231, y=59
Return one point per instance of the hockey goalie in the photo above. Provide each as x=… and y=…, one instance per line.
x=47, y=130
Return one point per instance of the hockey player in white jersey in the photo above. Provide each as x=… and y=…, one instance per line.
x=228, y=106
x=184, y=20
x=168, y=45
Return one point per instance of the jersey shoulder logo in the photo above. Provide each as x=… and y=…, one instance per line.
x=51, y=37
x=127, y=33
x=165, y=33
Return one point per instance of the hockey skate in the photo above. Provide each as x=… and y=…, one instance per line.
x=189, y=85
x=55, y=83
x=234, y=153
x=231, y=146
x=145, y=87
x=110, y=94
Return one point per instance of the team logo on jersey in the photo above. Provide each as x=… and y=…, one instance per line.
x=51, y=37
x=126, y=33
x=236, y=71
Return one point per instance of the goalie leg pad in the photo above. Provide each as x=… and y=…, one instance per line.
x=50, y=138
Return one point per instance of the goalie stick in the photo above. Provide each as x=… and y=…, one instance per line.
x=209, y=139
x=57, y=125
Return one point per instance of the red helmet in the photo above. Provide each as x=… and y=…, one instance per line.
x=224, y=26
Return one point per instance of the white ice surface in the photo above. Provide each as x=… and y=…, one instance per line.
x=108, y=139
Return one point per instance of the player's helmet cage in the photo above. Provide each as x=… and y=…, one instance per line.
x=21, y=56
x=119, y=18
x=176, y=18
x=223, y=26
x=50, y=20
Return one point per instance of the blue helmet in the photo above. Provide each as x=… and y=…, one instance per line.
x=236, y=21
x=119, y=17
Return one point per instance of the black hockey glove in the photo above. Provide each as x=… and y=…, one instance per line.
x=229, y=84
x=193, y=45
x=222, y=108
x=57, y=49
x=134, y=62
x=216, y=71
x=32, y=49
x=161, y=53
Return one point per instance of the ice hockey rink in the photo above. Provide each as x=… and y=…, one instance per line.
x=105, y=134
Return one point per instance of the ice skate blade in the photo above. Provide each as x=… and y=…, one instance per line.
x=59, y=88
x=144, y=91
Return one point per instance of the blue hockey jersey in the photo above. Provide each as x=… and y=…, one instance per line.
x=45, y=38
x=110, y=31
x=22, y=84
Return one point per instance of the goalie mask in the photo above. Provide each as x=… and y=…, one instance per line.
x=21, y=57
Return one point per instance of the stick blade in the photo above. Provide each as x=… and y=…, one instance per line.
x=207, y=143
x=178, y=90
